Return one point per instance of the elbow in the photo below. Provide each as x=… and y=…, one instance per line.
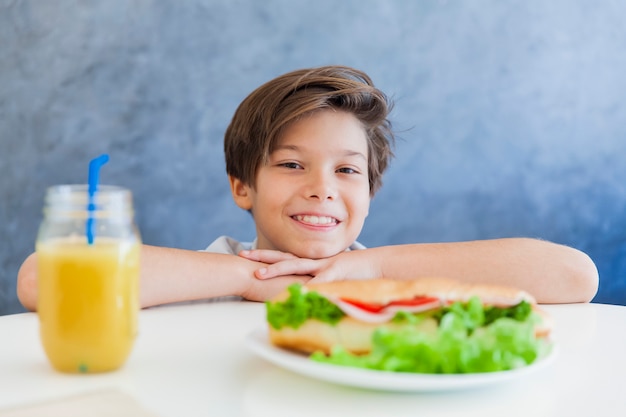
x=585, y=278
x=27, y=283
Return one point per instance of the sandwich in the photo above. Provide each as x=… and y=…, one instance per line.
x=426, y=325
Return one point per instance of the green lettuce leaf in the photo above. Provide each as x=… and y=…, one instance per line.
x=469, y=339
x=299, y=307
x=473, y=313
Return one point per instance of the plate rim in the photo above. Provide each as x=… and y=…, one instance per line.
x=258, y=342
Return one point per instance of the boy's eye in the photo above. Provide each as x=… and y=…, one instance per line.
x=347, y=170
x=291, y=165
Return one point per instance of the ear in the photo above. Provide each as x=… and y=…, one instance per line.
x=241, y=193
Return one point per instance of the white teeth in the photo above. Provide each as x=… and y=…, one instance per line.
x=316, y=219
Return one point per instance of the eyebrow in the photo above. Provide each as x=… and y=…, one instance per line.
x=346, y=152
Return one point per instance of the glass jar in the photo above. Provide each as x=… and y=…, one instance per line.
x=88, y=251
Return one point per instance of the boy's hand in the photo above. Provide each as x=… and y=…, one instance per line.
x=262, y=290
x=345, y=265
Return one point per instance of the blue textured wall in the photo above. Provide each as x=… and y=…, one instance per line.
x=511, y=113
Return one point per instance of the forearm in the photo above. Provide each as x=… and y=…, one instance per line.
x=167, y=275
x=552, y=273
x=171, y=275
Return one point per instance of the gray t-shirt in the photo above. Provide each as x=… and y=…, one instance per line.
x=230, y=246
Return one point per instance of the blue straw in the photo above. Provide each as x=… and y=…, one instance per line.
x=94, y=179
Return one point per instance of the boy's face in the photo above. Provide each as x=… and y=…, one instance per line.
x=312, y=197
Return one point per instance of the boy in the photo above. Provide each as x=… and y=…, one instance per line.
x=305, y=153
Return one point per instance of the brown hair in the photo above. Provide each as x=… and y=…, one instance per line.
x=261, y=118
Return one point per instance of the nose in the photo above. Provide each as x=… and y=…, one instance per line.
x=321, y=186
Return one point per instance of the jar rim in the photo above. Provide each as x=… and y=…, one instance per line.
x=75, y=198
x=67, y=188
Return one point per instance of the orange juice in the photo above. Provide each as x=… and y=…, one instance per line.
x=88, y=302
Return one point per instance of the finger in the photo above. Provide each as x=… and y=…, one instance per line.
x=265, y=290
x=266, y=256
x=325, y=278
x=297, y=266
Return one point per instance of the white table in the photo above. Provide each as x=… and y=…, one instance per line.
x=192, y=361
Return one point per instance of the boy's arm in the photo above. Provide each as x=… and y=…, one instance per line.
x=170, y=275
x=552, y=273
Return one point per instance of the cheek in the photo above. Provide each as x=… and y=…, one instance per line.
x=367, y=211
x=361, y=204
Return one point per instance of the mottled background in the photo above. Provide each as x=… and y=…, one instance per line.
x=511, y=114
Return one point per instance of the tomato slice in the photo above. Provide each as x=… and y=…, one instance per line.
x=371, y=307
x=414, y=302
x=375, y=308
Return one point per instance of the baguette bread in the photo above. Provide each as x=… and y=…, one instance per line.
x=383, y=291
x=355, y=334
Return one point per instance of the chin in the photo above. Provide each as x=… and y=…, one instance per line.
x=316, y=251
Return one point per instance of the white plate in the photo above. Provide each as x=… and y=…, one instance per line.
x=259, y=343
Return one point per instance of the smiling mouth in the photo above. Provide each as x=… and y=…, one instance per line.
x=316, y=220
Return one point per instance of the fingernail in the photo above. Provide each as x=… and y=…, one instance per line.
x=262, y=271
x=244, y=252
